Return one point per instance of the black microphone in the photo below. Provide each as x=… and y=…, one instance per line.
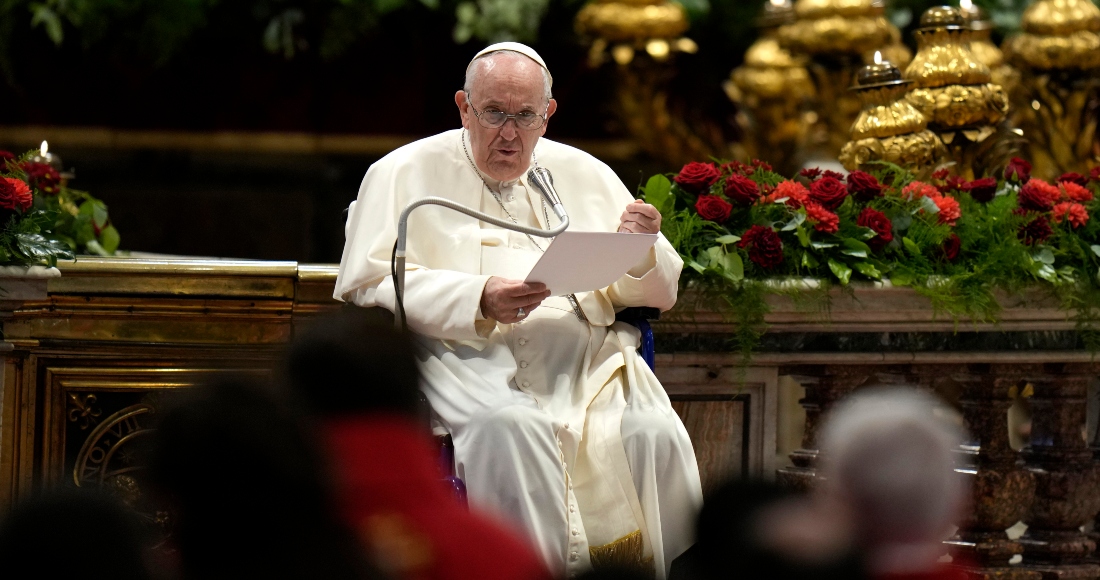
x=544, y=182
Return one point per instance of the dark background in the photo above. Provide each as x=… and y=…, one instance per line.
x=156, y=66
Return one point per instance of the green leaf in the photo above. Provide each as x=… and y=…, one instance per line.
x=1045, y=256
x=856, y=248
x=715, y=255
x=44, y=15
x=809, y=261
x=928, y=205
x=867, y=233
x=868, y=269
x=732, y=266
x=99, y=214
x=911, y=246
x=901, y=279
x=109, y=239
x=657, y=192
x=822, y=245
x=841, y=271
x=697, y=266
x=803, y=235
x=728, y=239
x=1095, y=249
x=1047, y=273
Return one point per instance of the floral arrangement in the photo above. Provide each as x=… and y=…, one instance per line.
x=953, y=240
x=42, y=219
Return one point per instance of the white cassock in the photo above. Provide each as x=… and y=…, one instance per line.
x=559, y=425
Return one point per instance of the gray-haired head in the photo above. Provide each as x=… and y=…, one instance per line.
x=890, y=459
x=511, y=49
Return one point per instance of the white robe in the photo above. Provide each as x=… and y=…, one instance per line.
x=558, y=424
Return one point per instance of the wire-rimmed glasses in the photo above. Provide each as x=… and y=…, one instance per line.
x=495, y=119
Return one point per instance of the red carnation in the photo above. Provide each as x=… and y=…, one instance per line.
x=863, y=186
x=1074, y=177
x=983, y=189
x=15, y=193
x=950, y=212
x=834, y=174
x=794, y=192
x=1033, y=196
x=697, y=177
x=742, y=190
x=940, y=174
x=822, y=219
x=765, y=247
x=829, y=192
x=1094, y=173
x=951, y=247
x=811, y=173
x=734, y=166
x=1074, y=192
x=713, y=208
x=955, y=183
x=1074, y=213
x=43, y=177
x=877, y=221
x=1036, y=231
x=1018, y=170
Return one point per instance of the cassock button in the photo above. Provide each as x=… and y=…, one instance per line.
x=523, y=342
x=572, y=509
x=566, y=425
x=526, y=384
x=573, y=556
x=522, y=364
x=511, y=198
x=576, y=532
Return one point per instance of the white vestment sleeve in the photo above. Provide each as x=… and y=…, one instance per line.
x=655, y=287
x=439, y=304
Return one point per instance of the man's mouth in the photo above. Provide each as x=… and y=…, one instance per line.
x=508, y=152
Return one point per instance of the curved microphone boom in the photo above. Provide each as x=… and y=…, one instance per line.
x=539, y=177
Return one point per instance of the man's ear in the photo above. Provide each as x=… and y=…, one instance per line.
x=553, y=106
x=463, y=108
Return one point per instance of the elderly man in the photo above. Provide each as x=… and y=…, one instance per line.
x=559, y=426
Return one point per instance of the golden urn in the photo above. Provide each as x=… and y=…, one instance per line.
x=771, y=90
x=888, y=128
x=1057, y=34
x=630, y=26
x=983, y=49
x=835, y=27
x=953, y=89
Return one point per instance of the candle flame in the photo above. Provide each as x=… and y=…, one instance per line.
x=966, y=4
x=778, y=3
x=878, y=57
x=44, y=148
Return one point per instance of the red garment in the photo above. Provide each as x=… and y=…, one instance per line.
x=391, y=492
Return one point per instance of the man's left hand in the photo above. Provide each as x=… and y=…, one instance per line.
x=640, y=218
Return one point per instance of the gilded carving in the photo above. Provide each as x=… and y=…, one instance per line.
x=82, y=410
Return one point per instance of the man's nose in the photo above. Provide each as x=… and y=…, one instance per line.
x=509, y=130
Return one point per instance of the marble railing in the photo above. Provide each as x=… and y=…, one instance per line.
x=88, y=355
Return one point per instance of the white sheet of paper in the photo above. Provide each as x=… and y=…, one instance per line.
x=586, y=261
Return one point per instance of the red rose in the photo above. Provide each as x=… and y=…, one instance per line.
x=951, y=247
x=713, y=208
x=1018, y=170
x=1036, y=231
x=43, y=177
x=822, y=219
x=982, y=189
x=829, y=192
x=863, y=186
x=811, y=173
x=15, y=193
x=1094, y=173
x=940, y=174
x=1073, y=177
x=6, y=156
x=734, y=166
x=877, y=221
x=1033, y=197
x=697, y=177
x=765, y=247
x=742, y=190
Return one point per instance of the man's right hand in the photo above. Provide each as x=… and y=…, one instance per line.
x=501, y=299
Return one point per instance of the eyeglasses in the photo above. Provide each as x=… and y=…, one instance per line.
x=495, y=119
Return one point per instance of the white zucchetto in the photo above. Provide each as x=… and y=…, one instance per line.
x=514, y=47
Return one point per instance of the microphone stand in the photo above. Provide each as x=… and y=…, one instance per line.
x=537, y=179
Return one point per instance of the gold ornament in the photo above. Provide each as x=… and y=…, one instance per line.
x=1058, y=54
x=955, y=93
x=771, y=89
x=832, y=27
x=983, y=49
x=888, y=128
x=642, y=38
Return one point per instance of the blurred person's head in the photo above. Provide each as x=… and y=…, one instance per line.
x=247, y=491
x=71, y=533
x=889, y=459
x=351, y=362
x=755, y=529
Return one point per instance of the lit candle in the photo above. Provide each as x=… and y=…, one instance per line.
x=44, y=156
x=878, y=74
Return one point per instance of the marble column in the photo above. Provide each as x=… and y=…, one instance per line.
x=1002, y=490
x=1067, y=491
